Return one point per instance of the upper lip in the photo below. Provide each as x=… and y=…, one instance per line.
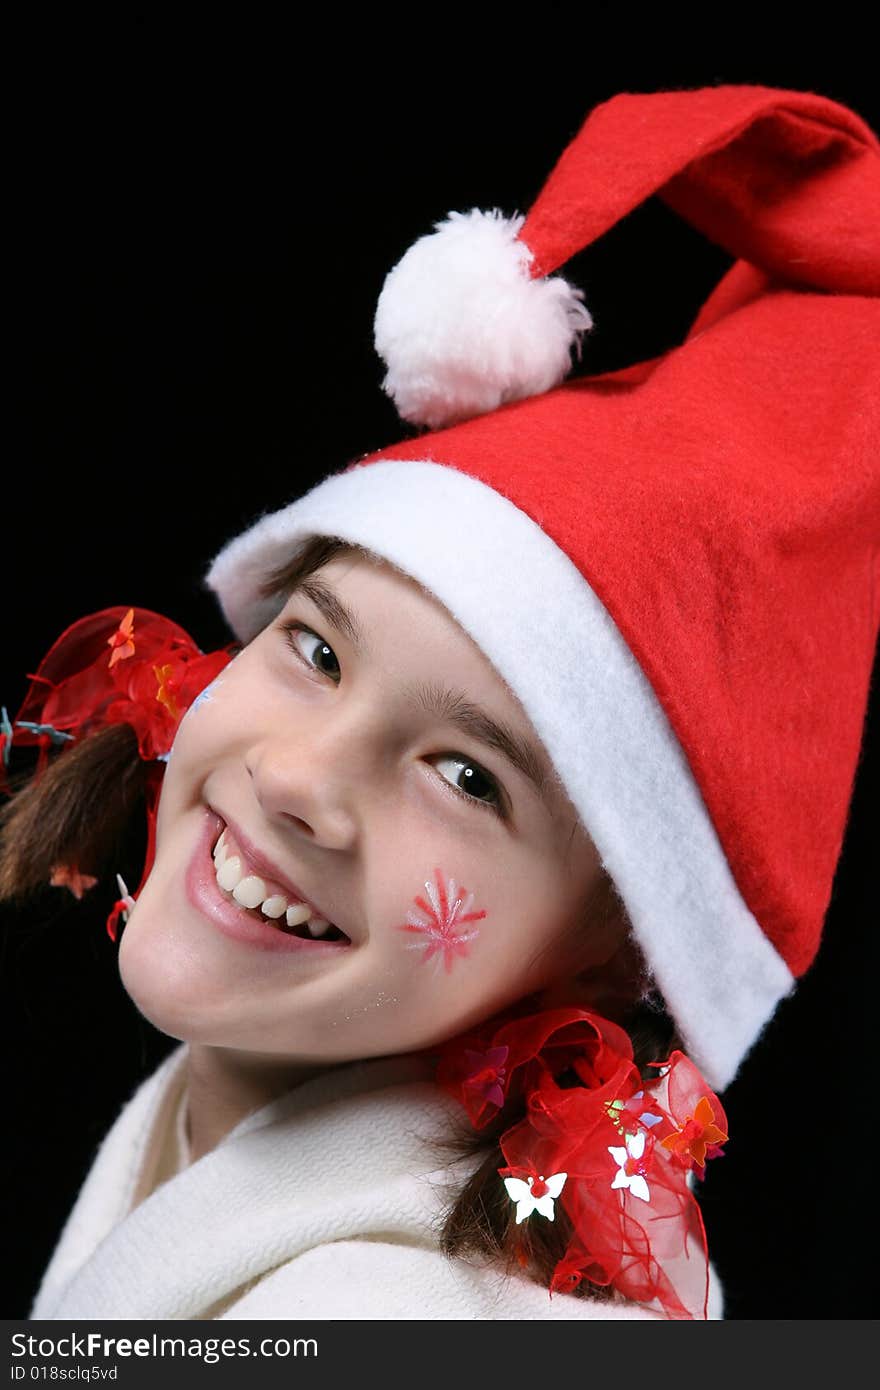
x=267, y=869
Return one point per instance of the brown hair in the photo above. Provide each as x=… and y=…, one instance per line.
x=74, y=813
x=77, y=812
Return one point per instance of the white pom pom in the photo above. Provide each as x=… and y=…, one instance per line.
x=462, y=328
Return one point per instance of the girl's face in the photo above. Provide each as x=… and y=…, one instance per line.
x=330, y=749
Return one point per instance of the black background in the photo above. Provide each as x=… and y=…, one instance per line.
x=201, y=227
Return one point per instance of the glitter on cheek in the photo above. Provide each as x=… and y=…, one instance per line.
x=438, y=921
x=379, y=1002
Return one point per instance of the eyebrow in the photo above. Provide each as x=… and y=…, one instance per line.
x=448, y=706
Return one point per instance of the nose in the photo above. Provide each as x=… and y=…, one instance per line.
x=318, y=776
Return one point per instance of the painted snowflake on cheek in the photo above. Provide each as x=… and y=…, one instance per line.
x=439, y=921
x=208, y=694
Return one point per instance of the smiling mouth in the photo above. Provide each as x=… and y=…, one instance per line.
x=271, y=904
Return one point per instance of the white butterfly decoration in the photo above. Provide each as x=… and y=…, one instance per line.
x=521, y=1192
x=635, y=1147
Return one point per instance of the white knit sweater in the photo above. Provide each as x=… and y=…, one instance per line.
x=324, y=1204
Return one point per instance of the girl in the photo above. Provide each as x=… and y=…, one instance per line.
x=485, y=853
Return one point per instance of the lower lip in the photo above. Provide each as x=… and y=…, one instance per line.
x=209, y=899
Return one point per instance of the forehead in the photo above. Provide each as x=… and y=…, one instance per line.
x=378, y=603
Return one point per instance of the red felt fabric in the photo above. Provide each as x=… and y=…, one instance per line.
x=723, y=499
x=786, y=180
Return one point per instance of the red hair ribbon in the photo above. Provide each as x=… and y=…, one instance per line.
x=616, y=1151
x=150, y=676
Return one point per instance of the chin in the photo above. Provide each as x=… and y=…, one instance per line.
x=160, y=977
x=147, y=987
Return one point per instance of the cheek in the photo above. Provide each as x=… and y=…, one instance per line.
x=443, y=922
x=210, y=722
x=454, y=946
x=212, y=701
x=207, y=696
x=469, y=934
x=208, y=733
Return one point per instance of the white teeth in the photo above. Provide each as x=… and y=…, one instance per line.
x=318, y=926
x=298, y=913
x=229, y=873
x=250, y=892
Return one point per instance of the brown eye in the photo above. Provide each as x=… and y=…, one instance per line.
x=471, y=782
x=312, y=649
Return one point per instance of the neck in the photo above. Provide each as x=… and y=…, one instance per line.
x=224, y=1086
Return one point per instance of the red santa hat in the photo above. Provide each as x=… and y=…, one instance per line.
x=674, y=566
